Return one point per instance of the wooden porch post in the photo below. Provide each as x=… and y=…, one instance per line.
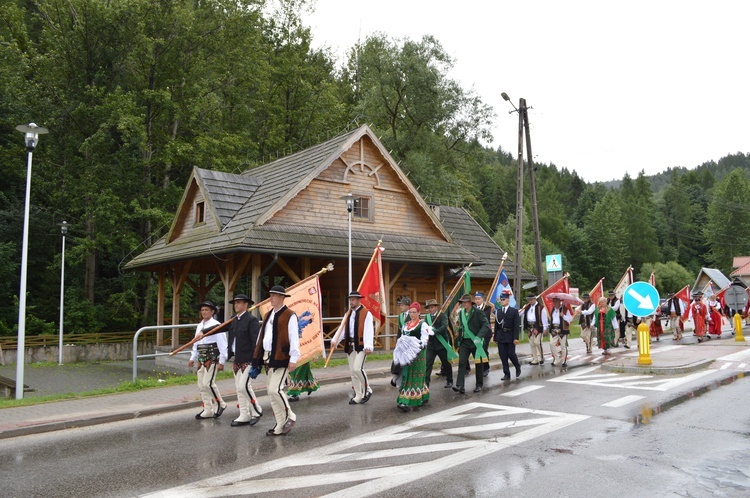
x=160, y=305
x=177, y=279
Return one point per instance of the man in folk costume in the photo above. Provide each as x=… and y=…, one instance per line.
x=243, y=335
x=674, y=312
x=487, y=309
x=631, y=325
x=403, y=317
x=278, y=351
x=715, y=312
x=534, y=319
x=586, y=310
x=616, y=305
x=359, y=334
x=559, y=330
x=507, y=325
x=473, y=327
x=435, y=346
x=211, y=354
x=699, y=311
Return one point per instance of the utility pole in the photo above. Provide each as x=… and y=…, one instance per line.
x=519, y=207
x=534, y=212
x=523, y=128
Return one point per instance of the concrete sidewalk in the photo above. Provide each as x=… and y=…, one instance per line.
x=17, y=421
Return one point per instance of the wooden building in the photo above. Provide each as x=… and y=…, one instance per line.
x=280, y=222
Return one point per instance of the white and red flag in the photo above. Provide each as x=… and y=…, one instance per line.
x=625, y=281
x=684, y=296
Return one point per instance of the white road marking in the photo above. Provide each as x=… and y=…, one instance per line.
x=725, y=366
x=740, y=355
x=741, y=365
x=625, y=400
x=521, y=391
x=373, y=477
x=628, y=381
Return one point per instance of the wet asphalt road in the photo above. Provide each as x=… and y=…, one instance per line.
x=575, y=433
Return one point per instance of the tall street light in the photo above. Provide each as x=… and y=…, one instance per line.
x=63, y=231
x=349, y=198
x=31, y=136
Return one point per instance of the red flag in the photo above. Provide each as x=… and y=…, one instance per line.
x=372, y=288
x=684, y=296
x=561, y=285
x=597, y=292
x=720, y=296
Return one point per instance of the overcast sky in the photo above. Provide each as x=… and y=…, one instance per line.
x=616, y=87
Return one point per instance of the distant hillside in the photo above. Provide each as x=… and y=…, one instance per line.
x=719, y=170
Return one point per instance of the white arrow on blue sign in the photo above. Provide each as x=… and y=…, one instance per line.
x=641, y=299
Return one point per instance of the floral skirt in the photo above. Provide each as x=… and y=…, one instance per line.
x=414, y=390
x=302, y=381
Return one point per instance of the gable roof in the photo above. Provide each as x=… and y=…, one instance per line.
x=742, y=271
x=244, y=203
x=714, y=275
x=472, y=237
x=739, y=261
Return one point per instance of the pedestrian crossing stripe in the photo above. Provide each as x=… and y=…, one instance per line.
x=625, y=400
x=649, y=382
x=483, y=429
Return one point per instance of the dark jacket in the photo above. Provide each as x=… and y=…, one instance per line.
x=507, y=325
x=440, y=327
x=245, y=331
x=477, y=323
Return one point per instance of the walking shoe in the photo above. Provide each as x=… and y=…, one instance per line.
x=219, y=411
x=287, y=427
x=565, y=364
x=294, y=397
x=459, y=389
x=403, y=407
x=448, y=384
x=478, y=389
x=201, y=417
x=627, y=346
x=518, y=371
x=534, y=363
x=366, y=397
x=254, y=420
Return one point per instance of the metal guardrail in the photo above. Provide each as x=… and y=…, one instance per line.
x=154, y=327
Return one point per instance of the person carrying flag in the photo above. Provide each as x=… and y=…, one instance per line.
x=473, y=327
x=438, y=344
x=534, y=322
x=359, y=334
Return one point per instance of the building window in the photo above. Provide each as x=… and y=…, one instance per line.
x=362, y=208
x=200, y=212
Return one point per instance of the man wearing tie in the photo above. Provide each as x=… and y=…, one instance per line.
x=507, y=323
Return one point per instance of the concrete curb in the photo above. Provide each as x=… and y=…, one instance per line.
x=652, y=370
x=134, y=414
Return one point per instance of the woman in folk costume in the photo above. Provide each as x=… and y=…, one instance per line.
x=655, y=329
x=699, y=311
x=715, y=311
x=605, y=321
x=410, y=354
x=301, y=381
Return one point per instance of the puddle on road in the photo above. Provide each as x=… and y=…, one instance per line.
x=648, y=412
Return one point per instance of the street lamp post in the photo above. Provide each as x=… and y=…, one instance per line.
x=63, y=231
x=349, y=198
x=31, y=136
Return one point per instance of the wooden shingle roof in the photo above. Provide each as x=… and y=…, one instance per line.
x=245, y=205
x=472, y=237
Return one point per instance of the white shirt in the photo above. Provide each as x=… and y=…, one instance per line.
x=368, y=335
x=293, y=331
x=219, y=338
x=556, y=316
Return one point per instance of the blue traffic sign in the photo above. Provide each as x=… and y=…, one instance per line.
x=641, y=299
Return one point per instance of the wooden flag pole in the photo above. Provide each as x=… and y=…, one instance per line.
x=219, y=328
x=335, y=338
x=497, y=277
